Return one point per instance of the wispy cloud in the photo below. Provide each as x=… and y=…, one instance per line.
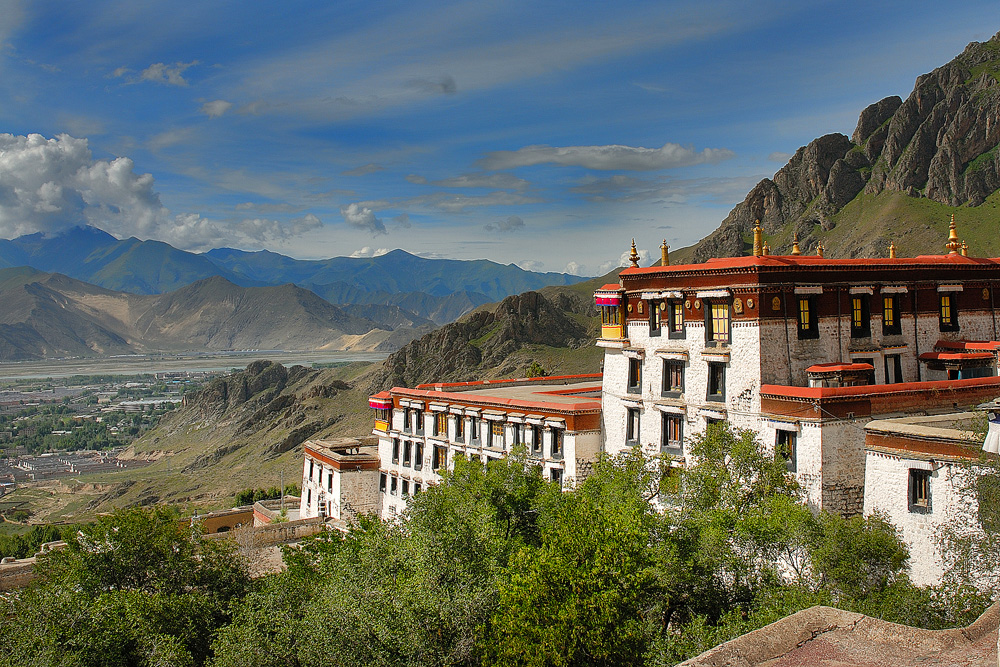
x=605, y=158
x=512, y=223
x=363, y=170
x=479, y=180
x=171, y=75
x=368, y=251
x=216, y=108
x=622, y=188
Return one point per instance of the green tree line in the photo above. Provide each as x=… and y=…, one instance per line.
x=640, y=564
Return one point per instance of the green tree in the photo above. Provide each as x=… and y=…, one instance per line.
x=130, y=589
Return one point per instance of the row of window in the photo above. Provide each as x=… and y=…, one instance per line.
x=717, y=320
x=397, y=486
x=493, y=432
x=671, y=431
x=673, y=379
x=317, y=471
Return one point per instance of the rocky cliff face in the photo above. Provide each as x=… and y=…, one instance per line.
x=481, y=344
x=940, y=143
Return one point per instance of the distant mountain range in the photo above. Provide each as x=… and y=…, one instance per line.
x=45, y=315
x=908, y=166
x=439, y=290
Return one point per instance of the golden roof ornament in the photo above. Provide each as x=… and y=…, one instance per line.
x=820, y=249
x=758, y=238
x=795, y=244
x=766, y=250
x=892, y=250
x=953, y=243
x=664, y=254
x=965, y=249
x=634, y=256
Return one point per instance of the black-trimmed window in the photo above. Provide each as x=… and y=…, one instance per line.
x=474, y=431
x=439, y=458
x=496, y=435
x=407, y=415
x=441, y=424
x=655, y=318
x=671, y=434
x=807, y=325
x=673, y=378
x=891, y=325
x=557, y=443
x=416, y=488
x=459, y=428
x=406, y=488
x=675, y=324
x=716, y=381
x=418, y=456
x=893, y=368
x=419, y=419
x=717, y=323
x=861, y=318
x=407, y=454
x=515, y=434
x=632, y=426
x=919, y=490
x=947, y=314
x=557, y=476
x=785, y=447
x=634, y=376
x=395, y=450
x=393, y=485
x=382, y=479
x=536, y=439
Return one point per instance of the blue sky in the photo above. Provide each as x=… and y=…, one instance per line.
x=546, y=134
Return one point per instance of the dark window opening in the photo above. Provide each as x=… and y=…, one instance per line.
x=418, y=462
x=407, y=416
x=891, y=325
x=893, y=369
x=381, y=482
x=676, y=323
x=784, y=446
x=407, y=451
x=460, y=429
x=634, y=376
x=557, y=476
x=807, y=327
x=920, y=490
x=947, y=315
x=419, y=416
x=672, y=434
x=395, y=450
x=861, y=320
x=673, y=378
x=716, y=381
x=536, y=440
x=632, y=427
x=557, y=443
x=655, y=317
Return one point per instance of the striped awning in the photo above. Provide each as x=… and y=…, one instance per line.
x=609, y=295
x=380, y=401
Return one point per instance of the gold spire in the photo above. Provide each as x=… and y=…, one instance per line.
x=965, y=249
x=892, y=250
x=758, y=237
x=634, y=256
x=953, y=243
x=664, y=254
x=820, y=249
x=795, y=244
x=766, y=250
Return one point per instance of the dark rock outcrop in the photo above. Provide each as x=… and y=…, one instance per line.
x=940, y=143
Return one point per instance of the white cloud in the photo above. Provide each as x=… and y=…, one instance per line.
x=573, y=268
x=402, y=220
x=172, y=75
x=530, y=265
x=11, y=17
x=216, y=108
x=49, y=185
x=454, y=203
x=511, y=224
x=622, y=188
x=362, y=217
x=369, y=252
x=481, y=180
x=613, y=157
x=779, y=156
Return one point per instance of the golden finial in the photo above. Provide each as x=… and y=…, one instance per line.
x=953, y=243
x=664, y=254
x=766, y=250
x=634, y=256
x=795, y=244
x=758, y=238
x=965, y=249
x=892, y=250
x=820, y=249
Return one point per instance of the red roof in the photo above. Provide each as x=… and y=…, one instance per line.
x=812, y=261
x=955, y=356
x=968, y=344
x=785, y=391
x=838, y=367
x=611, y=287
